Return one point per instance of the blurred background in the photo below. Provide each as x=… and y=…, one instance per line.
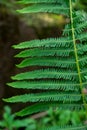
x=16, y=28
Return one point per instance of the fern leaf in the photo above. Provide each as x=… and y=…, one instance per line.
x=82, y=37
x=62, y=62
x=46, y=85
x=39, y=1
x=39, y=107
x=52, y=51
x=40, y=97
x=82, y=49
x=52, y=62
x=52, y=42
x=45, y=52
x=47, y=73
x=40, y=8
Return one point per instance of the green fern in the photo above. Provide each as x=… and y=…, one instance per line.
x=80, y=127
x=62, y=62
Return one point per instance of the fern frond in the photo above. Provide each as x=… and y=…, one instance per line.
x=82, y=49
x=46, y=85
x=45, y=52
x=83, y=61
x=40, y=97
x=40, y=8
x=52, y=42
x=62, y=62
x=79, y=127
x=48, y=51
x=52, y=62
x=47, y=73
x=78, y=17
x=79, y=28
x=82, y=37
x=39, y=107
x=39, y=1
x=82, y=26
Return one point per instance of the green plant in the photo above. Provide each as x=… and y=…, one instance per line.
x=56, y=118
x=61, y=62
x=51, y=119
x=10, y=122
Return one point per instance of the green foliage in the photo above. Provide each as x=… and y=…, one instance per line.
x=81, y=4
x=56, y=120
x=51, y=120
x=61, y=63
x=10, y=122
x=64, y=117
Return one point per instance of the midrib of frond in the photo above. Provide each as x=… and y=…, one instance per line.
x=76, y=54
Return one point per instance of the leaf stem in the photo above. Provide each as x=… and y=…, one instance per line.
x=76, y=55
